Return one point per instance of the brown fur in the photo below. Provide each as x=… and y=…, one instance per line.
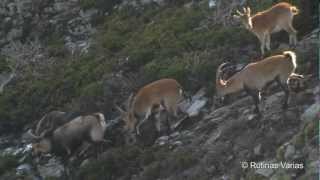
x=163, y=93
x=264, y=23
x=255, y=76
x=75, y=131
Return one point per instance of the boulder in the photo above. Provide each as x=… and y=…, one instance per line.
x=52, y=169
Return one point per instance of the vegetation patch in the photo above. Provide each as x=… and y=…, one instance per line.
x=7, y=163
x=123, y=162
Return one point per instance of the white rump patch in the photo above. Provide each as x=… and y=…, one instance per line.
x=102, y=120
x=293, y=57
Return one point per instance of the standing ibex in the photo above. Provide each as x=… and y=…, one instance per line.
x=163, y=93
x=263, y=24
x=255, y=76
x=72, y=134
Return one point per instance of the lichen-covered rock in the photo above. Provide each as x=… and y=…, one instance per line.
x=52, y=169
x=313, y=112
x=289, y=152
x=27, y=19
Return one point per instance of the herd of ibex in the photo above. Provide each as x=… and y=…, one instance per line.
x=58, y=130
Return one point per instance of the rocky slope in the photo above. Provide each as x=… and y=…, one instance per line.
x=211, y=145
x=215, y=143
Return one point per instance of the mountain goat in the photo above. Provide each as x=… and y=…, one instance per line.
x=72, y=134
x=263, y=24
x=253, y=77
x=161, y=94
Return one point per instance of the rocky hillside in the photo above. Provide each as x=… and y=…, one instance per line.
x=85, y=56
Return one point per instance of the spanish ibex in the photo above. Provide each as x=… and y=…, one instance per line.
x=161, y=94
x=263, y=24
x=255, y=76
x=72, y=134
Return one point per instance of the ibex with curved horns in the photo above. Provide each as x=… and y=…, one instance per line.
x=83, y=128
x=255, y=76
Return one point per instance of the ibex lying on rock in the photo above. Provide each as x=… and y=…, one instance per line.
x=161, y=94
x=72, y=134
x=263, y=24
x=255, y=76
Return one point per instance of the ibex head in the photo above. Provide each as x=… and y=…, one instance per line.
x=41, y=143
x=245, y=17
x=127, y=116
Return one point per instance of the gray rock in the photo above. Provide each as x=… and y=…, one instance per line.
x=88, y=14
x=311, y=113
x=257, y=149
x=252, y=117
x=144, y=2
x=290, y=151
x=5, y=79
x=175, y=135
x=177, y=143
x=163, y=138
x=60, y=6
x=85, y=162
x=213, y=137
x=53, y=168
x=15, y=151
x=266, y=172
x=198, y=101
x=14, y=34
x=316, y=93
x=196, y=106
x=24, y=169
x=212, y=3
x=283, y=46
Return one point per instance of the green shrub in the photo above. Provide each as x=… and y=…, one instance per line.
x=92, y=89
x=87, y=4
x=171, y=163
x=7, y=162
x=113, y=41
x=4, y=66
x=123, y=162
x=55, y=45
x=118, y=162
